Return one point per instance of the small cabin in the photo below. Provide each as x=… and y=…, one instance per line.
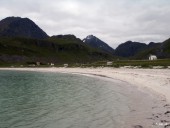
x=109, y=63
x=152, y=57
x=65, y=65
x=52, y=64
x=38, y=63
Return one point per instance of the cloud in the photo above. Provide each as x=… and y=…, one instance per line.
x=112, y=21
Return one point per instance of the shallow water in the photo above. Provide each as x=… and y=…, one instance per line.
x=55, y=100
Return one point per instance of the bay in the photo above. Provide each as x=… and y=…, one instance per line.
x=57, y=100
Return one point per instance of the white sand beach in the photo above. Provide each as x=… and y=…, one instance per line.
x=154, y=81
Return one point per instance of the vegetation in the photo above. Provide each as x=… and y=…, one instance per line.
x=130, y=49
x=133, y=63
x=23, y=43
x=166, y=46
x=52, y=50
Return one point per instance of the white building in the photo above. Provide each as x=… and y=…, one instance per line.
x=65, y=65
x=38, y=63
x=109, y=63
x=52, y=64
x=152, y=57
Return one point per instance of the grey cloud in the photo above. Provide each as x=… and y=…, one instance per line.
x=111, y=20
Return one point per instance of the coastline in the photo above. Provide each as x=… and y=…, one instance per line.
x=156, y=82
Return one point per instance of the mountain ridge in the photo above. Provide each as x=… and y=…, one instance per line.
x=24, y=30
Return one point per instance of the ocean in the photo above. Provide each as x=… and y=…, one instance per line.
x=57, y=100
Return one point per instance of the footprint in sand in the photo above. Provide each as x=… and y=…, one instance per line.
x=138, y=126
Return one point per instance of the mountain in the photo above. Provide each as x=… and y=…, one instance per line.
x=20, y=27
x=137, y=50
x=151, y=49
x=22, y=41
x=164, y=49
x=56, y=49
x=129, y=49
x=98, y=44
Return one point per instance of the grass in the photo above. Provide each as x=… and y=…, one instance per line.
x=134, y=63
x=49, y=50
x=164, y=63
x=60, y=51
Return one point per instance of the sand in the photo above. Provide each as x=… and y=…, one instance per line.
x=156, y=82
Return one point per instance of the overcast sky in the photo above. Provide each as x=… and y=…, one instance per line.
x=113, y=21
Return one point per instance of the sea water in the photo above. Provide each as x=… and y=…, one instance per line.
x=57, y=100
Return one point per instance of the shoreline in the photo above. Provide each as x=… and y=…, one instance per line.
x=155, y=82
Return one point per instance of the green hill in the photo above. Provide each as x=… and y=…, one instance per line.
x=166, y=46
x=153, y=49
x=52, y=50
x=161, y=50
